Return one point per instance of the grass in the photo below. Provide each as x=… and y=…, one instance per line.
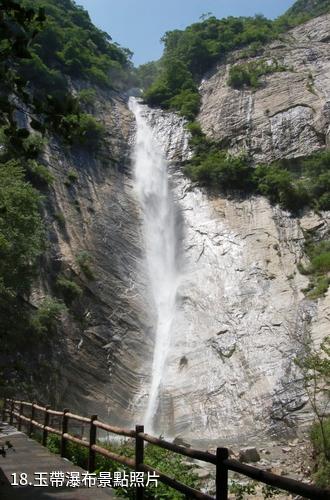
x=71, y=177
x=69, y=289
x=166, y=461
x=84, y=261
x=322, y=453
x=318, y=269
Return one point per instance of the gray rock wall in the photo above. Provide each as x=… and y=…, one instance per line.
x=97, y=357
x=288, y=115
x=242, y=317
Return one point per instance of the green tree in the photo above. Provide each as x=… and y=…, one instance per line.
x=21, y=230
x=315, y=366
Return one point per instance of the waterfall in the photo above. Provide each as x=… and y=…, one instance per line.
x=151, y=177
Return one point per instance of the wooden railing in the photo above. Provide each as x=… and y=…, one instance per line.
x=17, y=410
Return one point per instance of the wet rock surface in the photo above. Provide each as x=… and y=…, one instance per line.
x=241, y=318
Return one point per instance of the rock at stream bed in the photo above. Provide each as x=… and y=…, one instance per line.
x=249, y=455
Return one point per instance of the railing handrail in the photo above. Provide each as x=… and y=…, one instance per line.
x=220, y=460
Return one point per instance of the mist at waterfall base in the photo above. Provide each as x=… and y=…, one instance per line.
x=151, y=177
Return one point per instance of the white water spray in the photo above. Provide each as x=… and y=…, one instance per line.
x=160, y=243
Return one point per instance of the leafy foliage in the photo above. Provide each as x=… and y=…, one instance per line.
x=293, y=183
x=21, y=230
x=319, y=267
x=166, y=461
x=70, y=44
x=38, y=174
x=45, y=319
x=69, y=289
x=315, y=366
x=55, y=41
x=84, y=261
x=21, y=243
x=82, y=129
x=322, y=474
x=301, y=11
x=44, y=45
x=190, y=53
x=249, y=74
x=147, y=73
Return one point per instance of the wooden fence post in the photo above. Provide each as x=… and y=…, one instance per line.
x=31, y=418
x=11, y=419
x=46, y=423
x=4, y=408
x=20, y=411
x=92, y=441
x=222, y=474
x=139, y=458
x=64, y=431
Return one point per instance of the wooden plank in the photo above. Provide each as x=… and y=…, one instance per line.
x=118, y=458
x=181, y=450
x=221, y=480
x=73, y=439
x=78, y=417
x=221, y=459
x=92, y=442
x=139, y=457
x=115, y=430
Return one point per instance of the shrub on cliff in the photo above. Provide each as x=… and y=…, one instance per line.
x=83, y=129
x=279, y=185
x=48, y=313
x=249, y=74
x=69, y=289
x=221, y=170
x=319, y=267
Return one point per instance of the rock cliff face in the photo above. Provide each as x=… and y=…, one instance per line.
x=96, y=359
x=241, y=316
x=289, y=115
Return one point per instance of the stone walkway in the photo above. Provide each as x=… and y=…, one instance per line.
x=29, y=457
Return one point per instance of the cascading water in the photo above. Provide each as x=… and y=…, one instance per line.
x=158, y=210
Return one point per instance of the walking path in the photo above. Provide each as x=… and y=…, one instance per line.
x=29, y=457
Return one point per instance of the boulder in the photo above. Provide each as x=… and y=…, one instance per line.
x=249, y=455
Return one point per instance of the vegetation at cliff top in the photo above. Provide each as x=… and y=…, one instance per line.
x=307, y=9
x=45, y=45
x=172, y=82
x=69, y=44
x=190, y=53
